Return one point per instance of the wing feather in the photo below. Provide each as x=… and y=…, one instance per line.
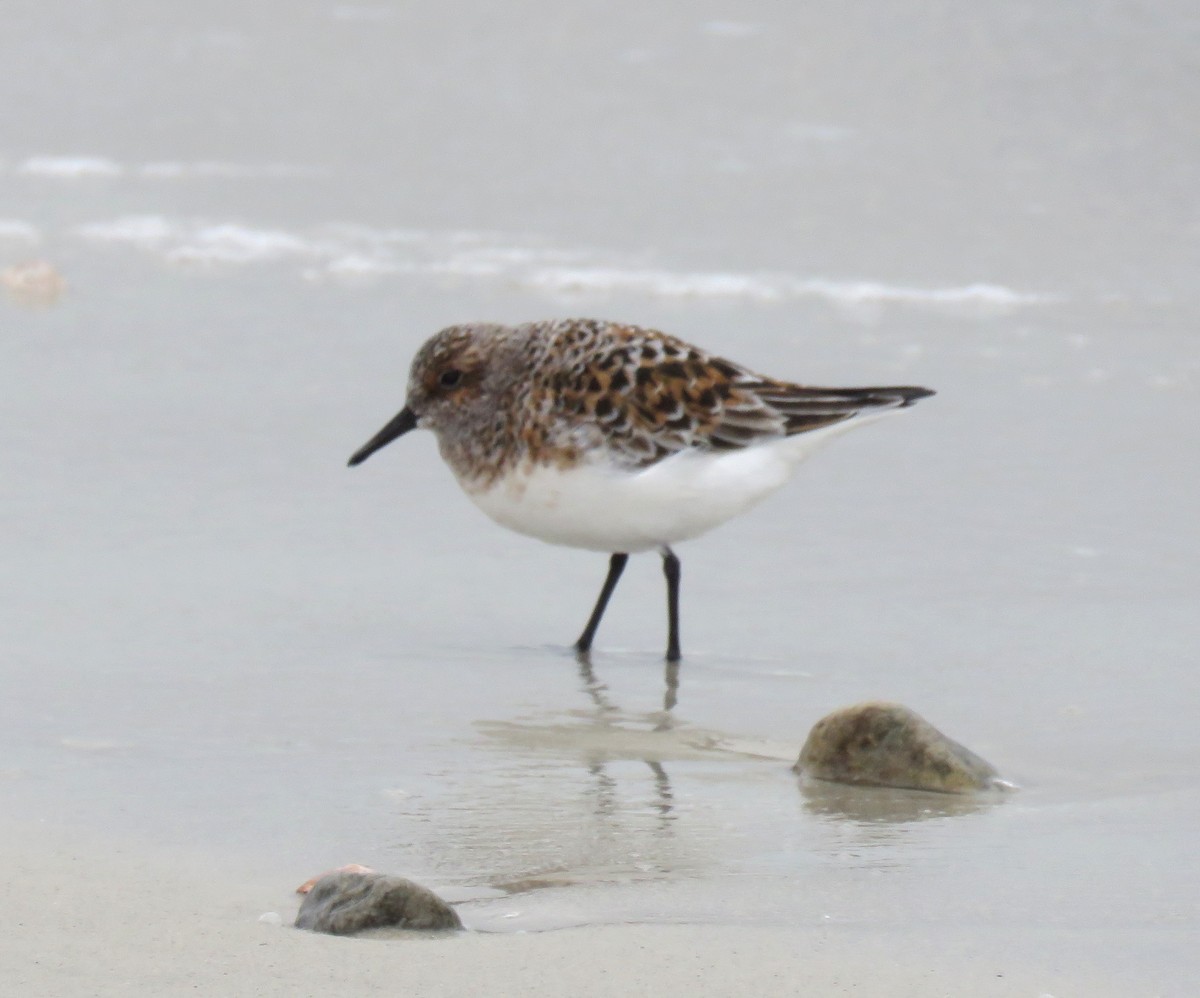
x=657, y=395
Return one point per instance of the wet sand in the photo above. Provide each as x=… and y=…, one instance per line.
x=98, y=919
x=231, y=663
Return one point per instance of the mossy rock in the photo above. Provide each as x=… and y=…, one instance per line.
x=889, y=745
x=345, y=903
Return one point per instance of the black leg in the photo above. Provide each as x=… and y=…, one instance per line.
x=616, y=565
x=671, y=571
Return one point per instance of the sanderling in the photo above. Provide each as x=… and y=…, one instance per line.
x=615, y=438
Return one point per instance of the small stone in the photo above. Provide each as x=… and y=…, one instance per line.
x=271, y=918
x=888, y=745
x=345, y=903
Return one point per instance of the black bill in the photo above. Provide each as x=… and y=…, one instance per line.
x=404, y=421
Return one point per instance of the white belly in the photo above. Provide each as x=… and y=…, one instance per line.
x=602, y=508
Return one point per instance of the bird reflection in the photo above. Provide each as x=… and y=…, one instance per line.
x=662, y=783
x=597, y=690
x=606, y=713
x=604, y=788
x=670, y=696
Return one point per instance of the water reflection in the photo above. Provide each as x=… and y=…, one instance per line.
x=597, y=690
x=589, y=793
x=603, y=790
x=574, y=796
x=586, y=794
x=666, y=798
x=671, y=678
x=606, y=713
x=886, y=805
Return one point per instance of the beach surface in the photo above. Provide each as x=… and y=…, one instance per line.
x=102, y=919
x=230, y=663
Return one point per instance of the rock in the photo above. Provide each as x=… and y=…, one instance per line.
x=888, y=745
x=345, y=903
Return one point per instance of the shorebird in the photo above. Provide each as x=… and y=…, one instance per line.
x=613, y=437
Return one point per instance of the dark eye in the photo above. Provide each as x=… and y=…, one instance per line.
x=450, y=378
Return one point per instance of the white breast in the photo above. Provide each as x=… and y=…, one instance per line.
x=604, y=508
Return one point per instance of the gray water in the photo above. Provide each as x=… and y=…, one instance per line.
x=216, y=636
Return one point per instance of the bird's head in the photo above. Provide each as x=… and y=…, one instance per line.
x=448, y=385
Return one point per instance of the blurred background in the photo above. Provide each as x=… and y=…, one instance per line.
x=225, y=229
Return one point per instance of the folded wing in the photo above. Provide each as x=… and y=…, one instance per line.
x=653, y=395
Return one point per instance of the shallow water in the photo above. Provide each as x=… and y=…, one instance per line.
x=218, y=636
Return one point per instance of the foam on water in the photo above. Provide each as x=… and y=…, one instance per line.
x=146, y=232
x=356, y=252
x=71, y=167
x=15, y=231
x=231, y=243
x=731, y=29
x=774, y=287
x=363, y=13
x=351, y=266
x=577, y=280
x=82, y=167
x=212, y=169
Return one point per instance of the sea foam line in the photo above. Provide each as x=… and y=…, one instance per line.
x=16, y=231
x=71, y=167
x=356, y=252
x=85, y=167
x=772, y=287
